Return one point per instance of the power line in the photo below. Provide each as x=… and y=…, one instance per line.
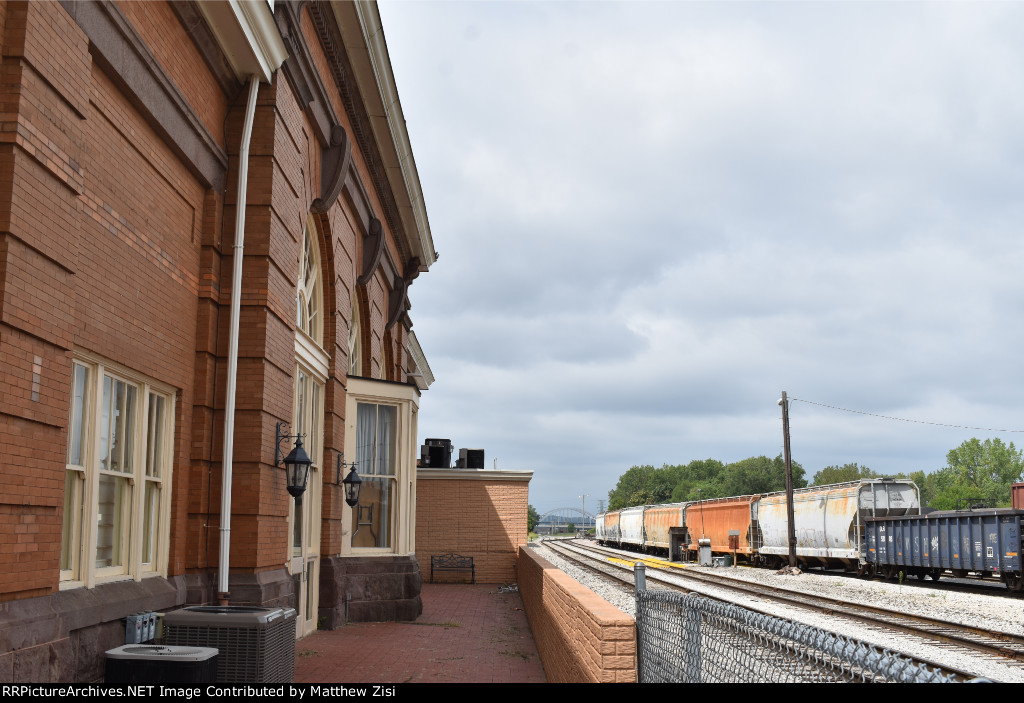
x=902, y=419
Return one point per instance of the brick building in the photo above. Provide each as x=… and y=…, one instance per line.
x=137, y=141
x=479, y=513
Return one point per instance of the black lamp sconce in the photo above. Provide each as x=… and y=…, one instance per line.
x=352, y=482
x=296, y=464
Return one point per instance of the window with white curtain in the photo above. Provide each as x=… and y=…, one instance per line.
x=375, y=459
x=380, y=433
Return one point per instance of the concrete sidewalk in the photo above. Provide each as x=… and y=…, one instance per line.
x=467, y=633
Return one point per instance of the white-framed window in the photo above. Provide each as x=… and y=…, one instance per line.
x=380, y=434
x=376, y=460
x=118, y=474
x=308, y=422
x=309, y=300
x=355, y=340
x=312, y=367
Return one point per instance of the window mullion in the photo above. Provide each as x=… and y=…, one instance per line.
x=160, y=521
x=87, y=554
x=71, y=529
x=137, y=484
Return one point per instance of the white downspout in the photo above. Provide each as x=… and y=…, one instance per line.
x=236, y=306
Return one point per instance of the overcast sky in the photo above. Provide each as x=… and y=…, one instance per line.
x=654, y=217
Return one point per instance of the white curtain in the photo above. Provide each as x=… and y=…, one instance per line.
x=387, y=420
x=375, y=453
x=366, y=431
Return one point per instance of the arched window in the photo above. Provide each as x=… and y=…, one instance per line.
x=312, y=366
x=310, y=298
x=355, y=340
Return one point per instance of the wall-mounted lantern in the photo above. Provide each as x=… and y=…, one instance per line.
x=352, y=482
x=296, y=464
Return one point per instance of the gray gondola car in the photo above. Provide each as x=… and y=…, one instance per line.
x=983, y=541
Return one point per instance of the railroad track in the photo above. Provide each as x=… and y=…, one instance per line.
x=982, y=586
x=1002, y=645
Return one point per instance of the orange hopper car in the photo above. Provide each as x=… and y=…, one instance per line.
x=715, y=519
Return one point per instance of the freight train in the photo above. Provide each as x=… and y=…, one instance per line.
x=871, y=526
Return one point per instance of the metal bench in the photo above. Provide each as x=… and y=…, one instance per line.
x=452, y=562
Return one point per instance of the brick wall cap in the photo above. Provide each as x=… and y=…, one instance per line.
x=474, y=474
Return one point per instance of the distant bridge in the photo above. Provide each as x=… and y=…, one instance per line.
x=559, y=519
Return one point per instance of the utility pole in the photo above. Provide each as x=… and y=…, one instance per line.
x=784, y=402
x=583, y=511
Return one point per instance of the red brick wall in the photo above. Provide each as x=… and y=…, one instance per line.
x=163, y=34
x=483, y=519
x=109, y=243
x=581, y=637
x=91, y=261
x=43, y=89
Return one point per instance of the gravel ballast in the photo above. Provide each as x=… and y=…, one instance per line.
x=995, y=612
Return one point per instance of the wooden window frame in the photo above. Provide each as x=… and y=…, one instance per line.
x=310, y=290
x=80, y=531
x=405, y=398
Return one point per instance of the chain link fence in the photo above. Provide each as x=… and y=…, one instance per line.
x=693, y=639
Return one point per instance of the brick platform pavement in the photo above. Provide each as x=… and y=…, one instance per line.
x=466, y=634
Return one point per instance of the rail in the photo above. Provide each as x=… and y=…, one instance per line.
x=1004, y=645
x=687, y=638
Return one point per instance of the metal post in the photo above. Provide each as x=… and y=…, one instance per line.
x=583, y=511
x=640, y=586
x=640, y=576
x=789, y=480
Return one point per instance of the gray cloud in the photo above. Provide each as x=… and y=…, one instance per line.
x=653, y=217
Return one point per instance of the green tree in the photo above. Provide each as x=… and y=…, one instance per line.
x=976, y=469
x=702, y=474
x=642, y=485
x=759, y=474
x=629, y=483
x=532, y=518
x=925, y=484
x=841, y=474
x=702, y=478
x=641, y=497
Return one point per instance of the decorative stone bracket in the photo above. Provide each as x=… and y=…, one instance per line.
x=334, y=163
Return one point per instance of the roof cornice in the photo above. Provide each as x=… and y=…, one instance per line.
x=363, y=37
x=248, y=36
x=420, y=372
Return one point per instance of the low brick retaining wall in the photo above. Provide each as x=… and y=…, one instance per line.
x=581, y=637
